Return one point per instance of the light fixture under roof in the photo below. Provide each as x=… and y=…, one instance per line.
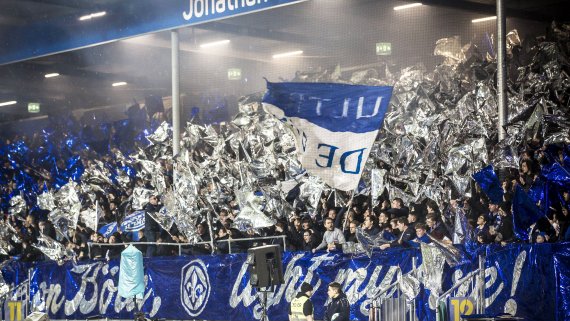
x=215, y=43
x=288, y=54
x=484, y=19
x=120, y=83
x=55, y=74
x=92, y=15
x=408, y=6
x=8, y=103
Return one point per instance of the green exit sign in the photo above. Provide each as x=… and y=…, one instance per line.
x=383, y=48
x=33, y=107
x=234, y=74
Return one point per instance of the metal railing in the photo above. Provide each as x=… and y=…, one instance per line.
x=20, y=291
x=229, y=241
x=478, y=286
x=394, y=307
x=179, y=245
x=191, y=245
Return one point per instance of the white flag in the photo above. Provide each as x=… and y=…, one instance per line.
x=334, y=125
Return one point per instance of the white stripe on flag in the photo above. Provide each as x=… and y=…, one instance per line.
x=337, y=157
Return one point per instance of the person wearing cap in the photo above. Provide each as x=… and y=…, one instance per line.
x=301, y=307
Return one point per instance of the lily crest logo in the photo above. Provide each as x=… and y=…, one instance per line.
x=195, y=287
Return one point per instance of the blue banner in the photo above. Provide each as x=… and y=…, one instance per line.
x=530, y=281
x=119, y=20
x=518, y=278
x=562, y=273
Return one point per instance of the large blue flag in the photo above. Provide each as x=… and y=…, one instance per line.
x=525, y=213
x=334, y=125
x=489, y=182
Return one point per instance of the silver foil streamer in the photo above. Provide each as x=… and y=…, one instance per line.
x=369, y=243
x=461, y=184
x=450, y=253
x=161, y=134
x=462, y=230
x=6, y=230
x=90, y=217
x=68, y=207
x=432, y=267
x=311, y=191
x=152, y=172
x=4, y=288
x=61, y=222
x=17, y=205
x=556, y=129
x=163, y=218
x=410, y=286
x=123, y=179
x=378, y=187
x=352, y=248
x=506, y=156
x=46, y=201
x=180, y=204
x=251, y=209
x=53, y=249
x=96, y=175
x=450, y=48
x=4, y=247
x=140, y=197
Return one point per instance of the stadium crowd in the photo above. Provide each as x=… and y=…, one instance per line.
x=327, y=228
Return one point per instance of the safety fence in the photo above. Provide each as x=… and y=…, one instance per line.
x=206, y=246
x=390, y=304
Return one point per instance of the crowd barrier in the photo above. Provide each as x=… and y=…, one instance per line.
x=181, y=246
x=529, y=280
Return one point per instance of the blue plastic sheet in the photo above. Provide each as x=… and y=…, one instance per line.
x=530, y=280
x=489, y=182
x=562, y=273
x=525, y=213
x=556, y=174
